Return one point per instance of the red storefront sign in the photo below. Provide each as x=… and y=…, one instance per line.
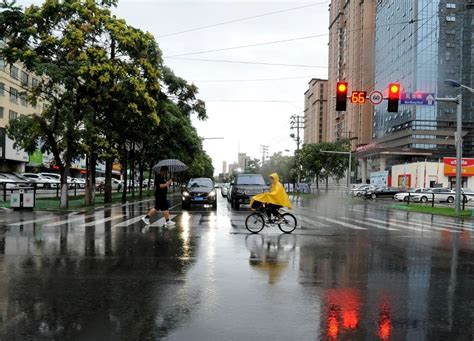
x=467, y=166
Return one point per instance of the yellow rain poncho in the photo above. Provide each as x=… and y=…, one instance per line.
x=276, y=196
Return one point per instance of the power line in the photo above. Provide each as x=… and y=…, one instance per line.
x=250, y=62
x=249, y=45
x=242, y=19
x=255, y=80
x=284, y=40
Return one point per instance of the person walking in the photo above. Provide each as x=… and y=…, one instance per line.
x=161, y=201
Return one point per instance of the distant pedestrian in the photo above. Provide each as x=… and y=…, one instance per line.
x=161, y=201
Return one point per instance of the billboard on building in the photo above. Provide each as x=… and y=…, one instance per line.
x=467, y=166
x=379, y=179
x=12, y=153
x=404, y=181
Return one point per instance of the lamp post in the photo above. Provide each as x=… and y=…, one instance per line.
x=458, y=137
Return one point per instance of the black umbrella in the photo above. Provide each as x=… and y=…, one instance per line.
x=173, y=165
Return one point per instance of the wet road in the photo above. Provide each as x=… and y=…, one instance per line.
x=351, y=271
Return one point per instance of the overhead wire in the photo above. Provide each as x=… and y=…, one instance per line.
x=242, y=19
x=249, y=62
x=282, y=40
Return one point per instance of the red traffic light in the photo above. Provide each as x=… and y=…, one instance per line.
x=393, y=97
x=341, y=96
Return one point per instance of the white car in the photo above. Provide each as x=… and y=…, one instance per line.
x=440, y=195
x=403, y=196
x=225, y=189
x=42, y=181
x=56, y=179
x=360, y=191
x=7, y=182
x=116, y=184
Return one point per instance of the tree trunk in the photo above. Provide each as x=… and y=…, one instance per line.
x=125, y=180
x=317, y=183
x=108, y=181
x=149, y=176
x=90, y=179
x=64, y=197
x=132, y=174
x=141, y=168
x=327, y=183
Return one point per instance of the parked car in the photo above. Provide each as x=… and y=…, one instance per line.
x=56, y=179
x=18, y=179
x=80, y=182
x=244, y=187
x=116, y=184
x=199, y=191
x=469, y=193
x=381, y=193
x=42, y=181
x=403, y=196
x=7, y=182
x=225, y=189
x=440, y=195
x=359, y=191
x=145, y=183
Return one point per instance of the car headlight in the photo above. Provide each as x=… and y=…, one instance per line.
x=212, y=194
x=186, y=194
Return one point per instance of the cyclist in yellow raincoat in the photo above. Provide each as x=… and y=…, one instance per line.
x=274, y=199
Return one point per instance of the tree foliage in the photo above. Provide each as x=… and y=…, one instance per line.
x=108, y=94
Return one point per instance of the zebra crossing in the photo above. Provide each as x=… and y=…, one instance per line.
x=352, y=220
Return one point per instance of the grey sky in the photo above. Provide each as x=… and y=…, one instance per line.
x=248, y=124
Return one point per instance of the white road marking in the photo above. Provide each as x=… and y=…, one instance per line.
x=160, y=222
x=354, y=227
x=406, y=225
x=370, y=224
x=101, y=221
x=129, y=222
x=38, y=220
x=68, y=221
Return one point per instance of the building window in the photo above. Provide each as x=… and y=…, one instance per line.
x=2, y=109
x=13, y=95
x=24, y=78
x=34, y=82
x=450, y=18
x=23, y=100
x=14, y=72
x=2, y=64
x=450, y=5
x=2, y=89
x=13, y=115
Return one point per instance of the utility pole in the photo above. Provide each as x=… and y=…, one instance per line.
x=297, y=123
x=264, y=151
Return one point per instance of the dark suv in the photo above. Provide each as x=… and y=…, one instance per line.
x=244, y=187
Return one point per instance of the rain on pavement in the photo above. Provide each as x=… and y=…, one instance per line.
x=351, y=271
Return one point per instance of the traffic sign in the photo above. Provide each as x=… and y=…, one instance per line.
x=418, y=98
x=376, y=97
x=358, y=97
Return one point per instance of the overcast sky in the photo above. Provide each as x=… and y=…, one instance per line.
x=244, y=125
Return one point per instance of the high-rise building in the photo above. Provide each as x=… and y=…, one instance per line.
x=224, y=167
x=315, y=111
x=242, y=161
x=420, y=44
x=351, y=58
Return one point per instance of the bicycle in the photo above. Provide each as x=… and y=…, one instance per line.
x=256, y=221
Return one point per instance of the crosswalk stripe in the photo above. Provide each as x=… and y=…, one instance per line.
x=371, y=224
x=354, y=227
x=101, y=221
x=161, y=221
x=38, y=220
x=406, y=225
x=312, y=222
x=129, y=222
x=428, y=226
x=68, y=221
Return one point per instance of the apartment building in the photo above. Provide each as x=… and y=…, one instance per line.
x=316, y=111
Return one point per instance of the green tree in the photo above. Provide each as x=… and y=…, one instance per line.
x=283, y=165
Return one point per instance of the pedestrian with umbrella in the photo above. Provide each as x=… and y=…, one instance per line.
x=161, y=189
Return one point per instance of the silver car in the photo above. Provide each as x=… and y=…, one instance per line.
x=439, y=195
x=225, y=189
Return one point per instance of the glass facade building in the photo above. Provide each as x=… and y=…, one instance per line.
x=420, y=43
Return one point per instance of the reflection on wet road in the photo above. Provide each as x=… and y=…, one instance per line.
x=351, y=271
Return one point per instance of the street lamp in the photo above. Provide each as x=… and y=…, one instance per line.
x=458, y=137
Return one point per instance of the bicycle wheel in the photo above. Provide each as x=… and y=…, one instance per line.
x=289, y=223
x=255, y=222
